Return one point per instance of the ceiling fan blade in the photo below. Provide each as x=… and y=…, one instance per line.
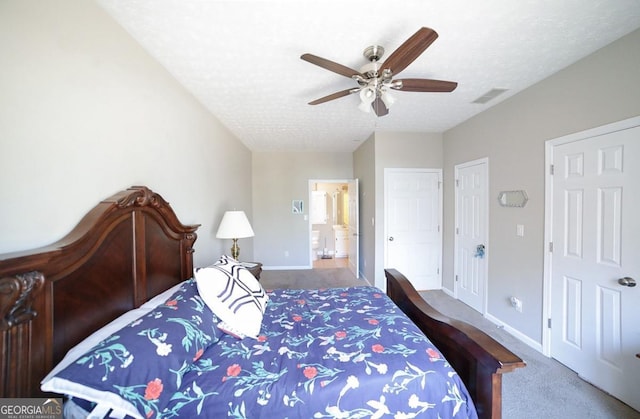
x=379, y=107
x=410, y=50
x=335, y=95
x=425, y=85
x=330, y=65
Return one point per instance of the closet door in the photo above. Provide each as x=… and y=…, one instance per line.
x=595, y=305
x=413, y=214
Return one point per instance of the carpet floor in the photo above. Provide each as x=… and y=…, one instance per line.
x=309, y=278
x=543, y=389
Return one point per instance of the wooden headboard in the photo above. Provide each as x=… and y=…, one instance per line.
x=126, y=250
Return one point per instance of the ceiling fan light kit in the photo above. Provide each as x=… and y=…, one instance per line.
x=367, y=96
x=375, y=79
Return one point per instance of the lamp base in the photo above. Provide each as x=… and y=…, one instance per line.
x=235, y=249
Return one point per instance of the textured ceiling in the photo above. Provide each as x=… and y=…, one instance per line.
x=241, y=59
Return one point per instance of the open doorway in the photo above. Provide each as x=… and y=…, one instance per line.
x=329, y=223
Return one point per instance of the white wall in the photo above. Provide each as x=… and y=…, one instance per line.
x=602, y=88
x=85, y=112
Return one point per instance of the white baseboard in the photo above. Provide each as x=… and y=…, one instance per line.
x=516, y=333
x=521, y=336
x=364, y=278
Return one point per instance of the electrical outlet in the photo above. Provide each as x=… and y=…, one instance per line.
x=286, y=253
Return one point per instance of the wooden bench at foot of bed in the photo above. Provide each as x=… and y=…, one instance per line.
x=477, y=358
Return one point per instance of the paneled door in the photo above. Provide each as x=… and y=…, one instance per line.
x=471, y=244
x=595, y=259
x=413, y=213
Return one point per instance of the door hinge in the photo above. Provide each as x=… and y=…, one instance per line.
x=457, y=182
x=438, y=229
x=456, y=278
x=549, y=323
x=551, y=247
x=457, y=230
x=551, y=169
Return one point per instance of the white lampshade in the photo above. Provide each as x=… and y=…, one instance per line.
x=387, y=98
x=367, y=96
x=234, y=225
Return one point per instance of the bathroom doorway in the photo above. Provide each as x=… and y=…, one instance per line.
x=330, y=240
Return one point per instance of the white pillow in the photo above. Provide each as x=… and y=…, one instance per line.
x=234, y=295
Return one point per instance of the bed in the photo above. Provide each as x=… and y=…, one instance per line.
x=131, y=257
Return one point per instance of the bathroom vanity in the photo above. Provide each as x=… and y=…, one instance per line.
x=341, y=237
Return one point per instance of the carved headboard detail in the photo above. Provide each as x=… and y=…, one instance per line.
x=124, y=251
x=16, y=297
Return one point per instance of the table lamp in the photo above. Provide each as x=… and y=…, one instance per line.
x=234, y=225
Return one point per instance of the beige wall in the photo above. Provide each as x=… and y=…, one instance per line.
x=387, y=150
x=85, y=112
x=600, y=89
x=282, y=238
x=364, y=170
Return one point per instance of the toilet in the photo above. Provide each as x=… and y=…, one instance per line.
x=315, y=244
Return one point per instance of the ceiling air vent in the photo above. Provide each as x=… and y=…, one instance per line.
x=491, y=94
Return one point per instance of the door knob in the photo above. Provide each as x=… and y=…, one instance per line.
x=391, y=238
x=627, y=281
x=479, y=251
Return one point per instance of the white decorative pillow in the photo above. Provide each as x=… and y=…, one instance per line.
x=234, y=295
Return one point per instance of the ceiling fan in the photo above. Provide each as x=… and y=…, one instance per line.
x=375, y=79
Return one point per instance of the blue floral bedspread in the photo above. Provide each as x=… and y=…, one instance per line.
x=330, y=353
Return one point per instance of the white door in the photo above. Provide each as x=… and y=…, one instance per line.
x=413, y=208
x=471, y=232
x=354, y=227
x=595, y=320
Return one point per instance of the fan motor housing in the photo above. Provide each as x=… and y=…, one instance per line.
x=373, y=53
x=370, y=69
